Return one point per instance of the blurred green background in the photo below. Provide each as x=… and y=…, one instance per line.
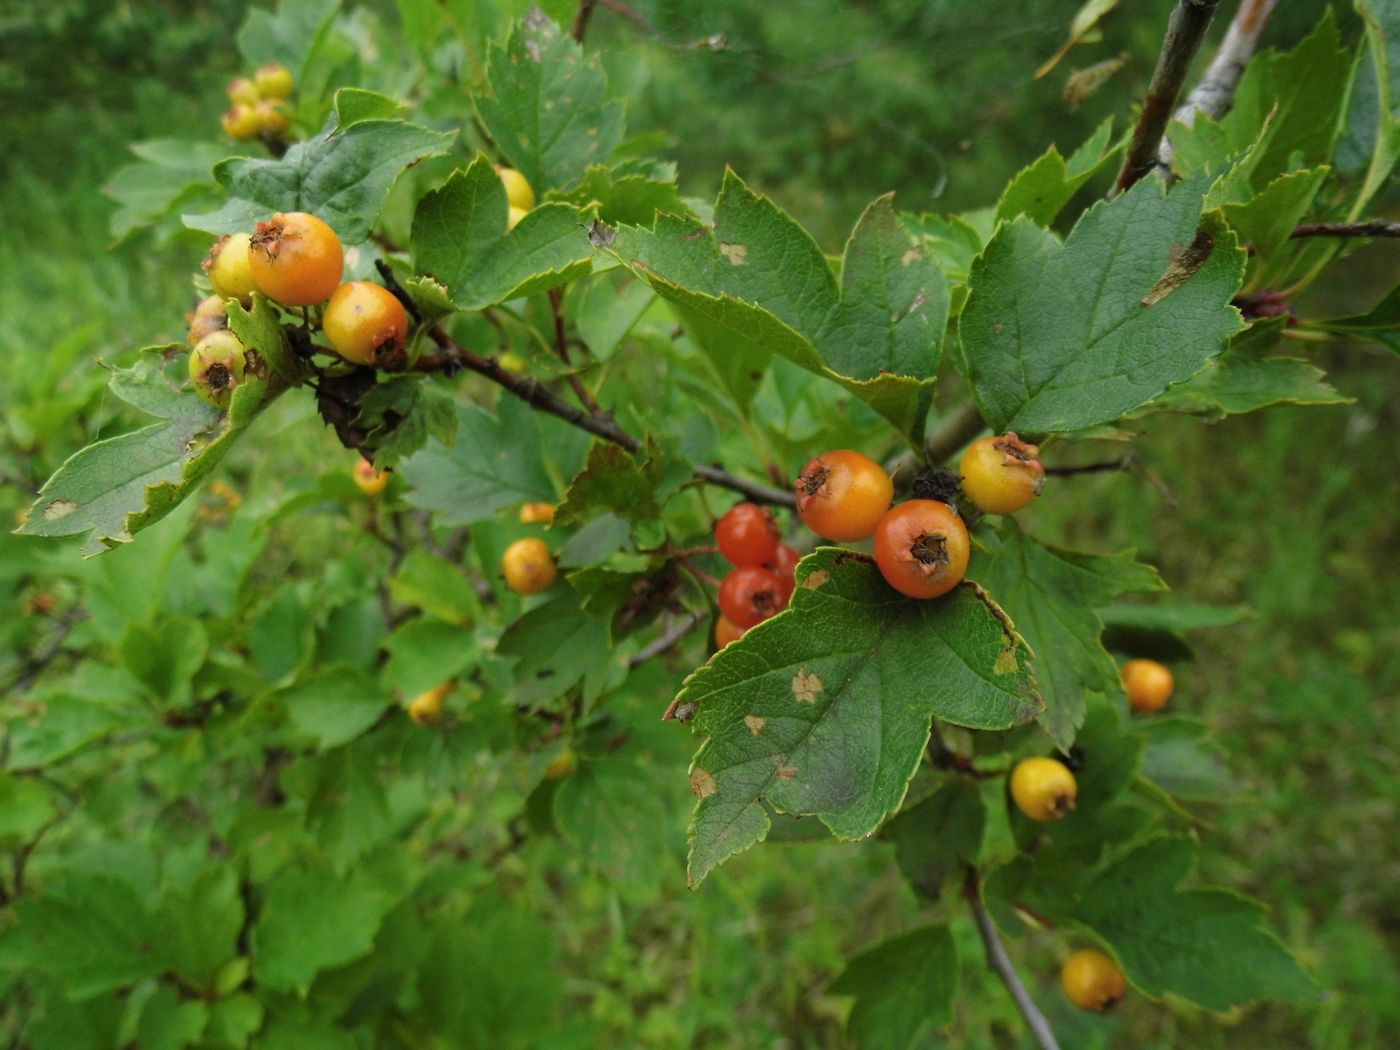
x=823, y=105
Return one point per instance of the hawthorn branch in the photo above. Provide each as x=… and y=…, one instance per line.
x=1122, y=463
x=453, y=357
x=580, y=26
x=669, y=639
x=1215, y=93
x=953, y=431
x=1185, y=30
x=1000, y=963
x=561, y=347
x=1368, y=228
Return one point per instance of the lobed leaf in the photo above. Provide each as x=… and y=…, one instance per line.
x=825, y=709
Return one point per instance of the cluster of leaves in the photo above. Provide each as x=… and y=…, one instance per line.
x=316, y=879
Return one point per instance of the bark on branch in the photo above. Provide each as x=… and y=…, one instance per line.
x=1000, y=963
x=451, y=356
x=1370, y=228
x=1185, y=30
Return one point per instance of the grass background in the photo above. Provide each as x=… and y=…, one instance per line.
x=822, y=105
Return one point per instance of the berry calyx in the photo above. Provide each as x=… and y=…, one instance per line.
x=536, y=513
x=273, y=80
x=528, y=566
x=922, y=548
x=370, y=480
x=217, y=365
x=241, y=121
x=1000, y=475
x=230, y=268
x=1043, y=789
x=749, y=595
x=296, y=259
x=726, y=632
x=366, y=324
x=841, y=495
x=426, y=708
x=1093, y=981
x=1148, y=684
x=747, y=535
x=211, y=315
x=519, y=193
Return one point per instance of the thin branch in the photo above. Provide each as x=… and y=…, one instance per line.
x=453, y=357
x=667, y=641
x=1000, y=963
x=1122, y=463
x=561, y=347
x=629, y=13
x=953, y=431
x=1369, y=228
x=580, y=26
x=1215, y=93
x=1185, y=30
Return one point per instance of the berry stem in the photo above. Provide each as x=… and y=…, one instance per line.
x=1001, y=964
x=453, y=357
x=561, y=346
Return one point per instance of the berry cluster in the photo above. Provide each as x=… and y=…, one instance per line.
x=764, y=575
x=259, y=105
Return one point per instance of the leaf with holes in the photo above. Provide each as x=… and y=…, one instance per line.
x=825, y=709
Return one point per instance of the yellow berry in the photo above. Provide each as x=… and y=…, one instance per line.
x=1092, y=980
x=1043, y=788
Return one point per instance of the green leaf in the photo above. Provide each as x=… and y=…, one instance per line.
x=940, y=836
x=116, y=487
x=1209, y=946
x=492, y=980
x=203, y=922
x=1041, y=190
x=171, y=175
x=91, y=931
x=287, y=34
x=1052, y=596
x=170, y=1023
x=759, y=275
x=1379, y=325
x=311, y=920
x=166, y=660
x=606, y=309
x=435, y=585
x=460, y=238
x=1266, y=222
x=27, y=806
x=1303, y=93
x=556, y=645
x=64, y=726
x=1172, y=616
x=1059, y=337
x=496, y=462
x=825, y=708
x=548, y=108
x=904, y=989
x=342, y=176
x=1183, y=758
x=424, y=652
x=1247, y=377
x=624, y=200
x=613, y=481
x=399, y=415
x=334, y=706
x=354, y=105
x=609, y=812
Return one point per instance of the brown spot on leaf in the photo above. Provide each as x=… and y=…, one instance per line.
x=806, y=687
x=59, y=508
x=737, y=254
x=755, y=723
x=786, y=772
x=913, y=255
x=1181, y=267
x=816, y=579
x=702, y=783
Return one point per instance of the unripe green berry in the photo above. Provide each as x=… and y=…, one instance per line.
x=217, y=365
x=230, y=270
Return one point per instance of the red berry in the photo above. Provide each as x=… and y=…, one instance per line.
x=747, y=535
x=784, y=564
x=749, y=595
